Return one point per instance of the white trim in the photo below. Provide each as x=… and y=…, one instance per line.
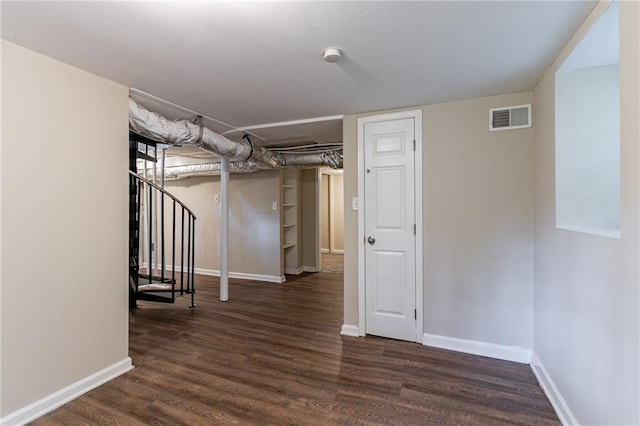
x=416, y=115
x=294, y=271
x=316, y=222
x=551, y=391
x=50, y=402
x=350, y=330
x=491, y=350
x=361, y=218
x=285, y=123
x=330, y=171
x=238, y=275
x=310, y=269
x=336, y=251
x=419, y=236
x=242, y=275
x=331, y=212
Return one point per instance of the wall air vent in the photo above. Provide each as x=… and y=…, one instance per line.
x=514, y=117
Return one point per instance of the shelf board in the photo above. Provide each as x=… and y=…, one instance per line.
x=288, y=186
x=288, y=245
x=288, y=205
x=288, y=225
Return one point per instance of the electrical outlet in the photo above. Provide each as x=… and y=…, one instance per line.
x=354, y=203
x=217, y=198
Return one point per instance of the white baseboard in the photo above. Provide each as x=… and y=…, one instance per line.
x=350, y=330
x=337, y=251
x=310, y=269
x=242, y=275
x=50, y=402
x=491, y=350
x=294, y=271
x=238, y=275
x=551, y=391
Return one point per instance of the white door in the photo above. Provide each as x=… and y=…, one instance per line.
x=390, y=253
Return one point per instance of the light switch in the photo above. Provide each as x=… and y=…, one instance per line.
x=274, y=205
x=217, y=198
x=354, y=203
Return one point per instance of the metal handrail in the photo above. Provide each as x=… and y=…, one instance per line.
x=164, y=191
x=187, y=269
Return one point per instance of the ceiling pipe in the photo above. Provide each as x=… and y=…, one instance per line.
x=214, y=169
x=180, y=132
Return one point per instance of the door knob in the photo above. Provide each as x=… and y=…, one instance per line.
x=371, y=240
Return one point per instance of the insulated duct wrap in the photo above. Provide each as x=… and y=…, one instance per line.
x=211, y=169
x=244, y=156
x=332, y=159
x=180, y=132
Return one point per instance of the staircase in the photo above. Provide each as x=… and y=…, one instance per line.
x=161, y=234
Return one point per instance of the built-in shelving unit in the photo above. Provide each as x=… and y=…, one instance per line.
x=289, y=221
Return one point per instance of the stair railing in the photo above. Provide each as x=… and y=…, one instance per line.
x=175, y=213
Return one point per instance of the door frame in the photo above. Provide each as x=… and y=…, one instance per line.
x=416, y=115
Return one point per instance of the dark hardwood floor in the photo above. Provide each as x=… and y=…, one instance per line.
x=273, y=355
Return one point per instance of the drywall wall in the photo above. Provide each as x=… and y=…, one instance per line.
x=64, y=226
x=586, y=293
x=254, y=227
x=478, y=223
x=587, y=157
x=310, y=215
x=350, y=181
x=478, y=216
x=332, y=211
x=325, y=225
x=337, y=212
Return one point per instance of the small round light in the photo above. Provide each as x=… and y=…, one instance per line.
x=332, y=54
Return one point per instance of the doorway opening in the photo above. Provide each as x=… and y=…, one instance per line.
x=331, y=218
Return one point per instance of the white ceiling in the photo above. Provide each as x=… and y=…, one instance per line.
x=248, y=63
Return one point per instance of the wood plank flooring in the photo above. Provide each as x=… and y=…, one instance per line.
x=273, y=355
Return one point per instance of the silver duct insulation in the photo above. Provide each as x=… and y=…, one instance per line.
x=244, y=156
x=180, y=132
x=331, y=159
x=211, y=169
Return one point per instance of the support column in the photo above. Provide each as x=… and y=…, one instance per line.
x=224, y=230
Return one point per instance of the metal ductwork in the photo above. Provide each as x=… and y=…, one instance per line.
x=213, y=169
x=244, y=156
x=181, y=132
x=210, y=169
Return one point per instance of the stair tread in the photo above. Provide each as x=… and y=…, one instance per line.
x=154, y=287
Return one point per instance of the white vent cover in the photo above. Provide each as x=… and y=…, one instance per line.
x=513, y=117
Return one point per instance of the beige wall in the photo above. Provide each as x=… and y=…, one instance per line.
x=350, y=177
x=337, y=212
x=332, y=211
x=64, y=226
x=325, y=228
x=586, y=318
x=478, y=223
x=310, y=216
x=254, y=227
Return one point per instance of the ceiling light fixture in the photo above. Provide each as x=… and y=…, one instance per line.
x=332, y=54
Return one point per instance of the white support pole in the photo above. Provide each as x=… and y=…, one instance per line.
x=164, y=158
x=155, y=205
x=224, y=230
x=145, y=215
